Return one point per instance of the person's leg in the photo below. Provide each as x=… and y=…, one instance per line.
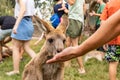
x=113, y=58
x=68, y=44
x=79, y=59
x=28, y=49
x=21, y=50
x=113, y=70
x=16, y=57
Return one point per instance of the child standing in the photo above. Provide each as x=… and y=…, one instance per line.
x=59, y=8
x=76, y=20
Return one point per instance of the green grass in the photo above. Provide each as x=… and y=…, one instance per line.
x=95, y=70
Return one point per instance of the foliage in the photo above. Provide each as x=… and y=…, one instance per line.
x=95, y=70
x=6, y=7
x=44, y=8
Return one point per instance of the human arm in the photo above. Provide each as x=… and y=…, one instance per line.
x=94, y=14
x=64, y=7
x=100, y=37
x=20, y=16
x=71, y=2
x=84, y=8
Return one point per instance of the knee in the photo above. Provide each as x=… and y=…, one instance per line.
x=26, y=47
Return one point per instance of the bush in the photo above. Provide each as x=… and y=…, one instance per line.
x=6, y=7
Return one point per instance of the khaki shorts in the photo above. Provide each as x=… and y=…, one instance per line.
x=74, y=29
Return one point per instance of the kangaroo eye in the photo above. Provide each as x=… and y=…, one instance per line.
x=50, y=40
x=64, y=41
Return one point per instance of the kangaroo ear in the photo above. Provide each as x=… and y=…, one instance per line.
x=46, y=24
x=63, y=24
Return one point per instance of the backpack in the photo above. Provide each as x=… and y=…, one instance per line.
x=55, y=20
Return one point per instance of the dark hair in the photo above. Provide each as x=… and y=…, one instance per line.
x=56, y=0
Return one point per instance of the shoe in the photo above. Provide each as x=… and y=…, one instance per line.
x=12, y=73
x=81, y=71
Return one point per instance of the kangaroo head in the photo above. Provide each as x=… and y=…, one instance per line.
x=55, y=38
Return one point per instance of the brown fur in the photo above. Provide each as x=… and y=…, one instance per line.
x=37, y=69
x=6, y=53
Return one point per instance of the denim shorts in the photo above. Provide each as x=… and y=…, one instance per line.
x=113, y=53
x=25, y=30
x=5, y=33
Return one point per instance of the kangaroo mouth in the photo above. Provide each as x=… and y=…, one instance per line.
x=49, y=57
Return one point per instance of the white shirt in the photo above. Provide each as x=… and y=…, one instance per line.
x=30, y=8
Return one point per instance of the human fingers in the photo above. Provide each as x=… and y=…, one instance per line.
x=14, y=31
x=90, y=14
x=65, y=55
x=54, y=59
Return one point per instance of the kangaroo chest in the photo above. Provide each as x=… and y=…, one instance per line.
x=51, y=71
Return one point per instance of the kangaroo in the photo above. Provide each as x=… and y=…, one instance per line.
x=37, y=68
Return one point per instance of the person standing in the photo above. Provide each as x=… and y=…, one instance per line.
x=113, y=52
x=22, y=32
x=98, y=13
x=76, y=19
x=7, y=24
x=98, y=21
x=60, y=8
x=100, y=37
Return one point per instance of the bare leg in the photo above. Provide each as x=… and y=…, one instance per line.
x=113, y=70
x=28, y=49
x=79, y=59
x=16, y=57
x=68, y=43
x=21, y=50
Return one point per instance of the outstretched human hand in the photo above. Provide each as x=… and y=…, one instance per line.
x=65, y=55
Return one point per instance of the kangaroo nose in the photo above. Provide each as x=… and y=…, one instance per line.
x=59, y=50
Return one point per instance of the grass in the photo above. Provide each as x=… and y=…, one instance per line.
x=95, y=70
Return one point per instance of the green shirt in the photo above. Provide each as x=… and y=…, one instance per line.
x=99, y=11
x=76, y=10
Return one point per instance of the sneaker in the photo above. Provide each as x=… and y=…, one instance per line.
x=12, y=73
x=81, y=71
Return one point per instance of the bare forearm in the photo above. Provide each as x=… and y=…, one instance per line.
x=107, y=31
x=22, y=11
x=84, y=8
x=71, y=2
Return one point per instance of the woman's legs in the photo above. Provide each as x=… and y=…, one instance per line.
x=28, y=49
x=79, y=59
x=17, y=45
x=21, y=50
x=68, y=44
x=16, y=56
